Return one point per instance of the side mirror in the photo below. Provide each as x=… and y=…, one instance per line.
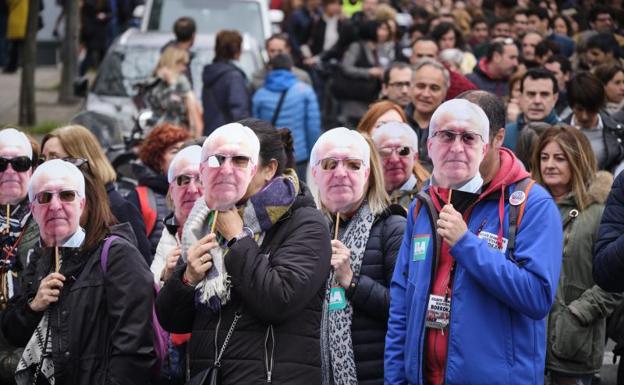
x=276, y=16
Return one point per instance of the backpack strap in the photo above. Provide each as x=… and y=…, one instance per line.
x=516, y=213
x=147, y=203
x=105, y=249
x=278, y=109
x=425, y=198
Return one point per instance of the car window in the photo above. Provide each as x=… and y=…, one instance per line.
x=124, y=67
x=210, y=16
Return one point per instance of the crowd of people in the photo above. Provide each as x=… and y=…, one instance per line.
x=381, y=204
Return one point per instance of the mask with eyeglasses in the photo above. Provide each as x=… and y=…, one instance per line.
x=447, y=137
x=45, y=197
x=185, y=180
x=238, y=161
x=19, y=163
x=351, y=164
x=386, y=152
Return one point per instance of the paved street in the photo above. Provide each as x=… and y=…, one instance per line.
x=47, y=79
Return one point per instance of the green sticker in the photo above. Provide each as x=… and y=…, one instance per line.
x=337, y=299
x=419, y=247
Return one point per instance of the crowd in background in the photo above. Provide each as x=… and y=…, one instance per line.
x=408, y=193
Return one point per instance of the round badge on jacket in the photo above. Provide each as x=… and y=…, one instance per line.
x=517, y=198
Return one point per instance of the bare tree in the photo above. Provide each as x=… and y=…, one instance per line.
x=27, y=113
x=69, y=49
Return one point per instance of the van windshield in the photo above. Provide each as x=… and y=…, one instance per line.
x=210, y=16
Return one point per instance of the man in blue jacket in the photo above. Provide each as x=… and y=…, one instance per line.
x=286, y=101
x=465, y=308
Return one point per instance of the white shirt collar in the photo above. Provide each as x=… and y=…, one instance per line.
x=409, y=184
x=76, y=239
x=472, y=186
x=598, y=126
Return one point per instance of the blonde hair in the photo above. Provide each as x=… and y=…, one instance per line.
x=79, y=142
x=171, y=56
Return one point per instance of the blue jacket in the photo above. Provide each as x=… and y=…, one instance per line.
x=512, y=130
x=497, y=331
x=609, y=253
x=300, y=111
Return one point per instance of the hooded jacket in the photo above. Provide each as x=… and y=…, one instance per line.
x=497, y=323
x=512, y=130
x=278, y=287
x=225, y=95
x=299, y=111
x=101, y=326
x=577, y=320
x=484, y=81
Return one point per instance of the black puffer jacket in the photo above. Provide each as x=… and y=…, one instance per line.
x=279, y=284
x=157, y=183
x=371, y=297
x=101, y=327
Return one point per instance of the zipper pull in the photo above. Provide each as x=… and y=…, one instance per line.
x=442, y=331
x=481, y=226
x=268, y=376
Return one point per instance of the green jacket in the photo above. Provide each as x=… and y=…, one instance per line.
x=10, y=355
x=577, y=320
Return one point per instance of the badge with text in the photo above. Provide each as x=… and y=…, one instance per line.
x=438, y=312
x=517, y=198
x=420, y=243
x=492, y=240
x=337, y=299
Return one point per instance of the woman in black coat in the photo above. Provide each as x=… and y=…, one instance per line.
x=276, y=277
x=367, y=238
x=84, y=316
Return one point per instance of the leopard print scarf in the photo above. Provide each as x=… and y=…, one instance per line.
x=338, y=361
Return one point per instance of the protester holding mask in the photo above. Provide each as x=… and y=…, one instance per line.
x=467, y=289
x=404, y=177
x=18, y=230
x=256, y=278
x=77, y=145
x=367, y=238
x=565, y=164
x=80, y=325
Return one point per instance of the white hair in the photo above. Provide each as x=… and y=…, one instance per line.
x=341, y=137
x=191, y=155
x=56, y=169
x=461, y=109
x=452, y=56
x=10, y=137
x=235, y=133
x=396, y=130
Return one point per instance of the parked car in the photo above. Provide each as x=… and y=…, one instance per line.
x=131, y=60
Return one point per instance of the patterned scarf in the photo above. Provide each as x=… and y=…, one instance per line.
x=36, y=359
x=10, y=237
x=259, y=213
x=338, y=361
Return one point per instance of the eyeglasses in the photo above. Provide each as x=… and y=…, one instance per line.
x=386, y=152
x=351, y=164
x=45, y=197
x=238, y=161
x=184, y=180
x=399, y=84
x=19, y=163
x=75, y=161
x=448, y=137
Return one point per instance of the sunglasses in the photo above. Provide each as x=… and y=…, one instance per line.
x=19, y=163
x=75, y=161
x=351, y=164
x=386, y=152
x=238, y=161
x=184, y=180
x=45, y=197
x=448, y=137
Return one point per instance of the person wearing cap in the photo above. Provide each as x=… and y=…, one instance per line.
x=397, y=145
x=256, y=254
x=469, y=295
x=80, y=323
x=18, y=230
x=349, y=186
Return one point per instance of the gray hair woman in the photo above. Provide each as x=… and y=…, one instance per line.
x=350, y=191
